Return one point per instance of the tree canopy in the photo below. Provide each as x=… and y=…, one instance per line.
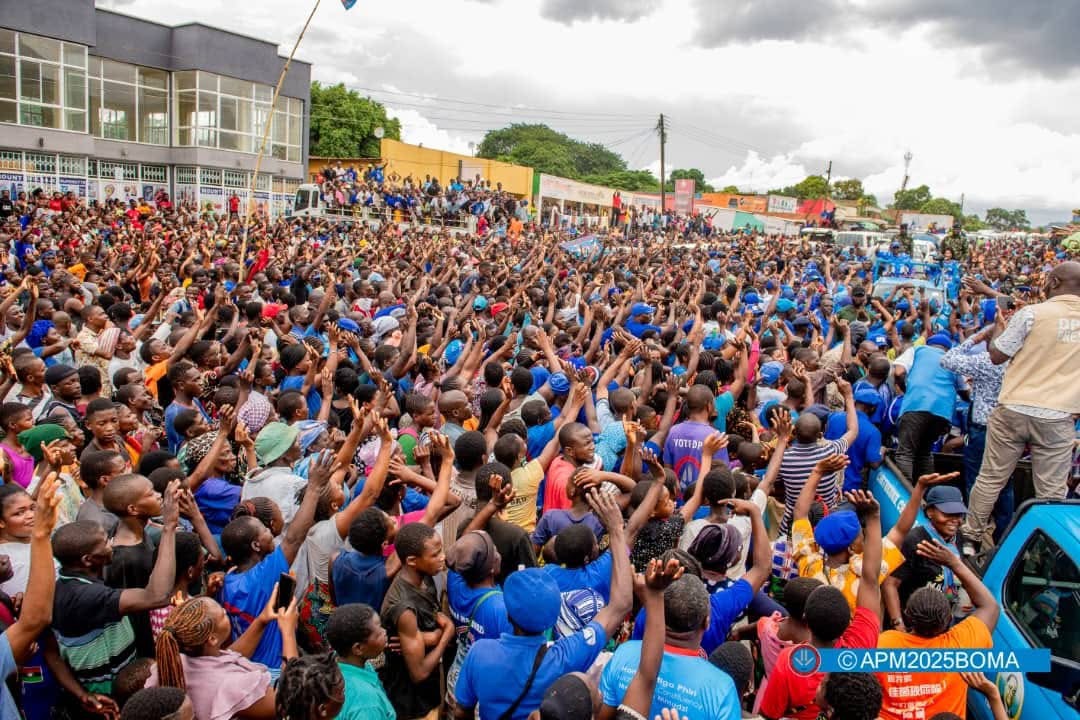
x=813, y=186
x=942, y=206
x=548, y=151
x=851, y=189
x=629, y=180
x=1002, y=219
x=700, y=184
x=912, y=198
x=343, y=123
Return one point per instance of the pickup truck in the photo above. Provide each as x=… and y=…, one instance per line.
x=1033, y=574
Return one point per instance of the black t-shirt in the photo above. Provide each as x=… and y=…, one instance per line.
x=917, y=571
x=514, y=546
x=7, y=207
x=130, y=569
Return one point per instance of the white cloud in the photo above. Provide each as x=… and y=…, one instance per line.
x=418, y=130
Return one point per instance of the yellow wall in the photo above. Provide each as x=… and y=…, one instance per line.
x=419, y=161
x=405, y=159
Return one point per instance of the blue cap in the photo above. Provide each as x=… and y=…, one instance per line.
x=947, y=499
x=559, y=383
x=903, y=305
x=842, y=301
x=787, y=292
x=821, y=412
x=479, y=303
x=453, y=351
x=348, y=325
x=784, y=305
x=764, y=413
x=751, y=298
x=770, y=285
x=989, y=310
x=532, y=599
x=641, y=309
x=770, y=372
x=879, y=339
x=940, y=339
x=837, y=531
x=376, y=278
x=713, y=342
x=866, y=396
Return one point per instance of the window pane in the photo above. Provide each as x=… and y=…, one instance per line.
x=34, y=46
x=295, y=124
x=122, y=72
x=8, y=112
x=184, y=80
x=264, y=93
x=185, y=109
x=235, y=141
x=75, y=55
x=279, y=152
x=260, y=115
x=50, y=84
x=208, y=117
x=30, y=88
x=232, y=86
x=206, y=137
x=293, y=154
x=94, y=66
x=1041, y=596
x=74, y=89
x=95, y=108
x=118, y=112
x=7, y=77
x=208, y=81
x=280, y=131
x=229, y=113
x=154, y=78
x=153, y=117
x=75, y=120
x=7, y=41
x=39, y=115
x=183, y=136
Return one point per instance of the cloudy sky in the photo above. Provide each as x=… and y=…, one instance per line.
x=758, y=93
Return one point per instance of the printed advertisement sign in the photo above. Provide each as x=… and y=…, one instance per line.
x=684, y=196
x=782, y=204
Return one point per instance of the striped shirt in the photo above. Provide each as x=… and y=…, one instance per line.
x=93, y=637
x=799, y=460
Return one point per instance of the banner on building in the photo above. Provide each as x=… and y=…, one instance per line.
x=211, y=198
x=782, y=204
x=13, y=183
x=73, y=184
x=684, y=196
x=558, y=188
x=745, y=203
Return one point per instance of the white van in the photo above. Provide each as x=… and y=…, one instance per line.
x=860, y=240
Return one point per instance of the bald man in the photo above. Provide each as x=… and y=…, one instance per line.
x=1040, y=394
x=456, y=410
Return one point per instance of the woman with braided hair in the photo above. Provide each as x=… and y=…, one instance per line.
x=311, y=687
x=221, y=682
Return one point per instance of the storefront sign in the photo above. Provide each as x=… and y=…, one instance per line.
x=558, y=188
x=782, y=204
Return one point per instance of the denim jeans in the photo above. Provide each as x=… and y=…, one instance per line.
x=973, y=456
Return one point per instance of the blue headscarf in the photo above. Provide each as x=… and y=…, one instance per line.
x=36, y=337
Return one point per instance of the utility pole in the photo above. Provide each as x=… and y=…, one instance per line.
x=907, y=166
x=828, y=179
x=663, y=141
x=961, y=207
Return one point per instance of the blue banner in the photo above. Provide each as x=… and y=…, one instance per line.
x=807, y=660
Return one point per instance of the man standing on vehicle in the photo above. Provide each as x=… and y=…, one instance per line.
x=955, y=241
x=1040, y=395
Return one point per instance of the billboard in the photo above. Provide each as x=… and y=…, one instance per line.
x=782, y=204
x=684, y=196
x=558, y=188
x=746, y=203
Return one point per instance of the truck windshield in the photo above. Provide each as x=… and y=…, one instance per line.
x=1042, y=593
x=303, y=200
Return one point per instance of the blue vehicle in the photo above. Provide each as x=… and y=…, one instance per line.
x=1034, y=574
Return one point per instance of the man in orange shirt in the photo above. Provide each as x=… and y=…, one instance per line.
x=913, y=696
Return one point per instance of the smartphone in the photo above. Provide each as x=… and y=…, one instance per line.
x=286, y=590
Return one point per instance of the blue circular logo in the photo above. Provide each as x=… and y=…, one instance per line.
x=805, y=660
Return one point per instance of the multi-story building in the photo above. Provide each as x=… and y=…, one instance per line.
x=108, y=106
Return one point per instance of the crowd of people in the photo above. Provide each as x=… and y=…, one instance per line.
x=388, y=473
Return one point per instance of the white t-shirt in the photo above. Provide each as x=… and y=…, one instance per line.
x=740, y=522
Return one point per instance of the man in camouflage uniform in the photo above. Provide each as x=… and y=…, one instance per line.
x=955, y=241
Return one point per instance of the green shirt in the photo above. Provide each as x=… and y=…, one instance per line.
x=365, y=698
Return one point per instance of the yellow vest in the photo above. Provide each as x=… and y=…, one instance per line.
x=1045, y=372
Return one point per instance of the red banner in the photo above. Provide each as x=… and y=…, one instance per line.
x=684, y=197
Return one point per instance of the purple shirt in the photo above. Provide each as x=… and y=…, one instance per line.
x=682, y=451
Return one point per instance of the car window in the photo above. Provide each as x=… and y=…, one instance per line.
x=1042, y=595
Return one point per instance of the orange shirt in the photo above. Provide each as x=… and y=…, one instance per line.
x=919, y=696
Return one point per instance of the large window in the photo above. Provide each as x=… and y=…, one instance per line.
x=42, y=82
x=128, y=102
x=1042, y=594
x=223, y=112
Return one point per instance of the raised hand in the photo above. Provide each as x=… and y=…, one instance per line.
x=605, y=508
x=322, y=469
x=47, y=506
x=832, y=464
x=935, y=552
x=440, y=445
x=865, y=504
x=937, y=478
x=501, y=495
x=227, y=419
x=170, y=505
x=659, y=575
x=782, y=426
x=714, y=443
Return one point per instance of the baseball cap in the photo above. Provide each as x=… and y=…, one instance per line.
x=770, y=372
x=784, y=305
x=947, y=499
x=479, y=303
x=473, y=556
x=641, y=309
x=837, y=531
x=532, y=599
x=866, y=396
x=941, y=340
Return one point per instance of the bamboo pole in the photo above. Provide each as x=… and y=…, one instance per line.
x=266, y=134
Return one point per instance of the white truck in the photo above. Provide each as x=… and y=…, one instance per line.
x=922, y=222
x=308, y=202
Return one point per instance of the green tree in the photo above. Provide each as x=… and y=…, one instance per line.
x=912, y=198
x=343, y=123
x=813, y=186
x=629, y=180
x=941, y=206
x=1002, y=219
x=972, y=223
x=733, y=189
x=548, y=151
x=851, y=189
x=700, y=184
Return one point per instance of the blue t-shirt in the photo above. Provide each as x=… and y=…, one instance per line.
x=489, y=619
x=314, y=399
x=360, y=579
x=638, y=329
x=595, y=575
x=688, y=682
x=245, y=594
x=725, y=606
x=217, y=498
x=682, y=451
x=864, y=450
x=554, y=521
x=724, y=403
x=539, y=437
x=176, y=439
x=7, y=669
x=495, y=671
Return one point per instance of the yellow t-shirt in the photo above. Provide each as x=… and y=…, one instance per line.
x=810, y=560
x=924, y=695
x=522, y=509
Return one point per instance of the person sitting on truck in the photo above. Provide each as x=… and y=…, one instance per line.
x=945, y=510
x=929, y=616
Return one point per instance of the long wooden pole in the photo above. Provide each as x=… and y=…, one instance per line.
x=266, y=134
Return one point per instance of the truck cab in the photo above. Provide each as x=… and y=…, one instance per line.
x=307, y=201
x=1034, y=574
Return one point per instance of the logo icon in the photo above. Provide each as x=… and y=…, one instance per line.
x=805, y=660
